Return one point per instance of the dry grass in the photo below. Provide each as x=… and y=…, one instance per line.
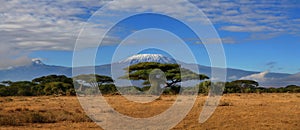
x=235, y=111
x=27, y=110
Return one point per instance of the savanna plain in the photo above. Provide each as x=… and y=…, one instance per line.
x=235, y=111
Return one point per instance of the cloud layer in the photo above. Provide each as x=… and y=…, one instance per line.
x=32, y=25
x=265, y=81
x=268, y=18
x=257, y=77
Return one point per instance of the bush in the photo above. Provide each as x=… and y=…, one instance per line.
x=38, y=118
x=9, y=121
x=225, y=104
x=108, y=89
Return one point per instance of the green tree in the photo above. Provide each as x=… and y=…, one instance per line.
x=204, y=87
x=7, y=82
x=57, y=88
x=292, y=88
x=260, y=90
x=94, y=80
x=243, y=86
x=4, y=90
x=231, y=87
x=52, y=78
x=95, y=83
x=21, y=88
x=54, y=84
x=108, y=89
x=173, y=73
x=38, y=90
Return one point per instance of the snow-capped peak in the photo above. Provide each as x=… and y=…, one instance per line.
x=37, y=61
x=148, y=58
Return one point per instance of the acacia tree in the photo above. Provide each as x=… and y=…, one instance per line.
x=241, y=86
x=173, y=73
x=52, y=78
x=53, y=84
x=94, y=80
x=59, y=88
x=204, y=87
x=6, y=83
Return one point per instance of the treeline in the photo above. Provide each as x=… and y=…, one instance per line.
x=84, y=84
x=46, y=85
x=59, y=85
x=247, y=86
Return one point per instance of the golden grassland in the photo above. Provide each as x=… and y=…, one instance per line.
x=235, y=111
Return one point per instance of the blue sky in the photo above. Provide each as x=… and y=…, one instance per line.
x=256, y=35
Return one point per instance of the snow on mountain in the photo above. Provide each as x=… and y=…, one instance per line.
x=148, y=58
x=37, y=61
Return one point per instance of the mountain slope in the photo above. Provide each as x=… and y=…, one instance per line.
x=37, y=69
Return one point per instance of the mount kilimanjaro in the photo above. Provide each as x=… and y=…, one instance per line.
x=148, y=58
x=37, y=69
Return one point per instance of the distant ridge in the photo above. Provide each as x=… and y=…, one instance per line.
x=37, y=69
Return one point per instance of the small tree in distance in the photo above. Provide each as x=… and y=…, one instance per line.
x=93, y=80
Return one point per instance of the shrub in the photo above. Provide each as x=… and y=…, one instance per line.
x=36, y=117
x=225, y=103
x=9, y=121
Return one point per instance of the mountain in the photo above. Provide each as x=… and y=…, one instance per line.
x=148, y=58
x=37, y=69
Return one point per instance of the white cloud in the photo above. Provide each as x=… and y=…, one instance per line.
x=10, y=56
x=256, y=77
x=179, y=8
x=31, y=25
x=266, y=81
x=225, y=40
x=246, y=28
x=293, y=79
x=232, y=78
x=264, y=17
